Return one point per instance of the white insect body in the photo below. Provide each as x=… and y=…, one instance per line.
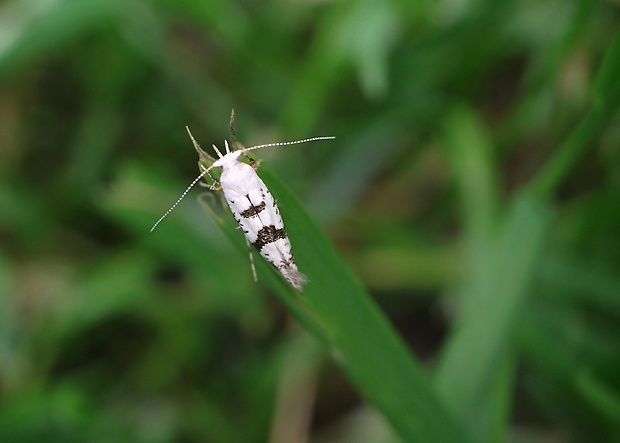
x=252, y=205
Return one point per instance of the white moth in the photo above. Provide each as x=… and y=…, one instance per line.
x=251, y=203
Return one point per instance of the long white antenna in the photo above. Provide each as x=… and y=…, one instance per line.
x=296, y=142
x=196, y=180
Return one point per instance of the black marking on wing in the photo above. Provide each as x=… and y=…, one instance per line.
x=253, y=210
x=268, y=234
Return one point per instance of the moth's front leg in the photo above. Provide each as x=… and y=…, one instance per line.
x=253, y=163
x=215, y=186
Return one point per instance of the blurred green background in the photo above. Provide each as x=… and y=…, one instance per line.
x=473, y=189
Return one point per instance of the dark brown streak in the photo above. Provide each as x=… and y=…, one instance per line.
x=253, y=211
x=268, y=234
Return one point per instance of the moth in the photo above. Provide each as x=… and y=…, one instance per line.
x=251, y=203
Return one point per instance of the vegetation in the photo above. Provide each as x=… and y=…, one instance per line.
x=460, y=234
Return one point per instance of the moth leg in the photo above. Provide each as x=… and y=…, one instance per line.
x=247, y=242
x=254, y=163
x=231, y=130
x=216, y=185
x=233, y=136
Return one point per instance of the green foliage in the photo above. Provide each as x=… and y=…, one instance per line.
x=460, y=234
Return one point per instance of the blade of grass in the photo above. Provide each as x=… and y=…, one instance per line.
x=603, y=398
x=474, y=372
x=606, y=99
x=544, y=73
x=493, y=298
x=468, y=150
x=7, y=338
x=337, y=309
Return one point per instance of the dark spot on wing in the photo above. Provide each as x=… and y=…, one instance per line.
x=253, y=210
x=268, y=234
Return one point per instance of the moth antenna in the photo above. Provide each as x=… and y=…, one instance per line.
x=196, y=180
x=227, y=147
x=295, y=142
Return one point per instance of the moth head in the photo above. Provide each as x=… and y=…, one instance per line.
x=227, y=158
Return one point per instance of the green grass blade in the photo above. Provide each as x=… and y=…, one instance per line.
x=493, y=297
x=607, y=76
x=606, y=100
x=604, y=399
x=337, y=309
x=475, y=373
x=468, y=150
x=7, y=308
